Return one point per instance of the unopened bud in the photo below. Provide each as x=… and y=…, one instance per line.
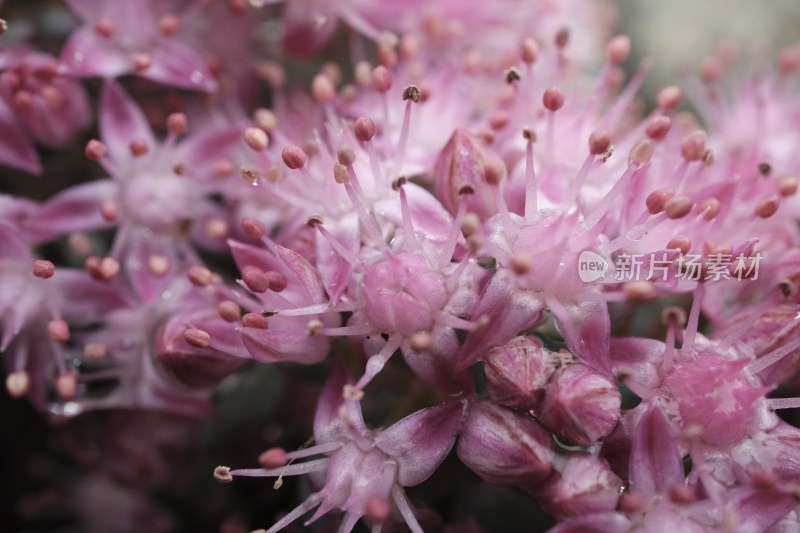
x=517, y=373
x=503, y=446
x=580, y=405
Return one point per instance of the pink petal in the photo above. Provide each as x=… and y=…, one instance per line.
x=587, y=332
x=86, y=53
x=328, y=422
x=596, y=523
x=121, y=121
x=335, y=271
x=246, y=255
x=655, y=460
x=16, y=148
x=306, y=274
x=174, y=63
x=421, y=441
x=509, y=310
x=75, y=209
x=284, y=346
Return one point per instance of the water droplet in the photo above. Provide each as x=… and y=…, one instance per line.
x=197, y=77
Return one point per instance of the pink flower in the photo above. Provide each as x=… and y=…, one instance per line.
x=122, y=37
x=364, y=471
x=37, y=103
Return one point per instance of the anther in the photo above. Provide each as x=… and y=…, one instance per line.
x=250, y=174
x=352, y=394
x=197, y=338
x=253, y=228
x=18, y=383
x=322, y=88
x=104, y=27
x=512, y=75
x=158, y=264
x=681, y=494
x=599, y=142
x=694, y=146
x=95, y=350
x=58, y=330
x=313, y=326
x=67, y=385
x=43, y=269
x=764, y=168
x=254, y=320
x=787, y=185
x=277, y=281
x=680, y=242
x=177, y=124
x=141, y=61
x=381, y=79
x=768, y=206
x=618, y=49
x=138, y=147
x=528, y=134
x=673, y=316
x=378, y=509
x=787, y=287
x=168, y=24
x=199, y=276
x=562, y=38
x=421, y=341
x=678, y=206
x=658, y=128
x=553, y=99
x=314, y=220
x=223, y=168
x=412, y=93
x=223, y=474
x=109, y=210
x=530, y=51
x=256, y=139
x=657, y=199
x=669, y=97
x=265, y=119
x=521, y=263
x=273, y=458
x=709, y=207
x=95, y=150
x=346, y=155
x=294, y=157
x=470, y=223
x=641, y=153
x=229, y=311
x=364, y=129
x=255, y=279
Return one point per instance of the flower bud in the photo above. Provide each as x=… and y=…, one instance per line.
x=583, y=485
x=504, y=447
x=465, y=172
x=517, y=373
x=580, y=406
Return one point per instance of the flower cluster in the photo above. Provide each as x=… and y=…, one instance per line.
x=440, y=226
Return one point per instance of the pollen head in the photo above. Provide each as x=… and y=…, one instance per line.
x=553, y=99
x=294, y=157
